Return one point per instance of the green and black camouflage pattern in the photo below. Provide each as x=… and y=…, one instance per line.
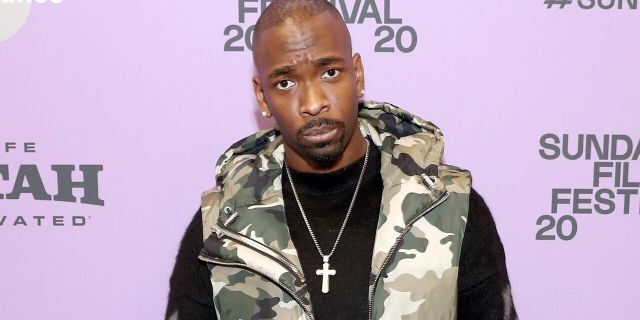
x=255, y=270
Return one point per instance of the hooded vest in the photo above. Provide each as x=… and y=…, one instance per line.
x=254, y=266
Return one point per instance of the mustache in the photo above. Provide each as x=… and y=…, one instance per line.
x=318, y=122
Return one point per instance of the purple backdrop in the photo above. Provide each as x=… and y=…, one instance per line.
x=147, y=91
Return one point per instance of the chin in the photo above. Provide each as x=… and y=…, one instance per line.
x=324, y=155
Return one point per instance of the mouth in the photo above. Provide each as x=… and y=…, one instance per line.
x=323, y=133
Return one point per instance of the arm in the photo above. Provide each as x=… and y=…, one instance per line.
x=190, y=294
x=484, y=292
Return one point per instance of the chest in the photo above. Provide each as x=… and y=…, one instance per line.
x=351, y=260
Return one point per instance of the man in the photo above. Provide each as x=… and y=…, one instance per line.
x=343, y=211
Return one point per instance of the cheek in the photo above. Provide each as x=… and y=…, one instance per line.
x=345, y=88
x=284, y=116
x=340, y=94
x=345, y=96
x=278, y=104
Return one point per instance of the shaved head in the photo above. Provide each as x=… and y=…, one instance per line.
x=280, y=12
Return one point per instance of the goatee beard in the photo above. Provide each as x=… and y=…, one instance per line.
x=322, y=154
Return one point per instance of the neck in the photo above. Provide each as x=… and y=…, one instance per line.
x=354, y=150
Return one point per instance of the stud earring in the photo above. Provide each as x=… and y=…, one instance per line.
x=362, y=92
x=266, y=114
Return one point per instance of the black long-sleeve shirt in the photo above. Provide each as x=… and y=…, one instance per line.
x=483, y=284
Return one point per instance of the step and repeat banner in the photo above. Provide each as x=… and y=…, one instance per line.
x=113, y=113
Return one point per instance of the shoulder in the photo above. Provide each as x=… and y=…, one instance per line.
x=456, y=179
x=480, y=219
x=482, y=251
x=247, y=149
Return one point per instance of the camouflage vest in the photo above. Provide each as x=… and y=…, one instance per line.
x=255, y=270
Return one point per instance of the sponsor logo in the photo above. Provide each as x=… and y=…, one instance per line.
x=614, y=189
x=393, y=34
x=14, y=14
x=24, y=182
x=593, y=4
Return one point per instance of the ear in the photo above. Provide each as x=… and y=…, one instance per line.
x=359, y=70
x=257, y=90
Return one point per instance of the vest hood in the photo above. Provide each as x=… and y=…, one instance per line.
x=391, y=128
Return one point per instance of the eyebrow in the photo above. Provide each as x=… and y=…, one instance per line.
x=282, y=71
x=326, y=61
x=320, y=62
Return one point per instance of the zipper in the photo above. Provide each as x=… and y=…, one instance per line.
x=213, y=260
x=395, y=247
x=220, y=232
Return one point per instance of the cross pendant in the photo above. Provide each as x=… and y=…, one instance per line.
x=325, y=272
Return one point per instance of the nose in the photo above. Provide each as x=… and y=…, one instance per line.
x=313, y=101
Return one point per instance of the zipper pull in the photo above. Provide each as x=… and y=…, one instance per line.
x=231, y=217
x=217, y=231
x=428, y=181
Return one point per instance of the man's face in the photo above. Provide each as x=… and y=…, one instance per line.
x=308, y=80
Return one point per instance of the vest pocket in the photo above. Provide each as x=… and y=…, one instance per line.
x=242, y=293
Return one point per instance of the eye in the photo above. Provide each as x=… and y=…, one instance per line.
x=330, y=74
x=284, y=84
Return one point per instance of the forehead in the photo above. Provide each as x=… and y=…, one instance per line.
x=301, y=40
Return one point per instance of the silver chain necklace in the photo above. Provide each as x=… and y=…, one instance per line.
x=325, y=272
